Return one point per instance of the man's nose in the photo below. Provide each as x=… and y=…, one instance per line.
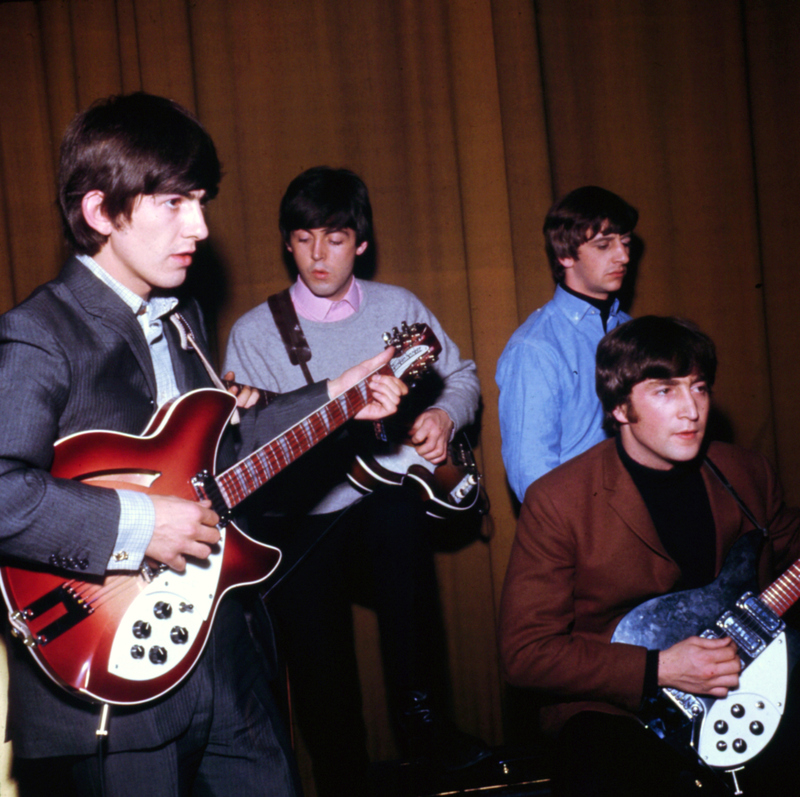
x=196, y=223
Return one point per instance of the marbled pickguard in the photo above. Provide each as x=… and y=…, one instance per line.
x=661, y=622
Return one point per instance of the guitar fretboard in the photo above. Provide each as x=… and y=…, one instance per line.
x=245, y=477
x=783, y=592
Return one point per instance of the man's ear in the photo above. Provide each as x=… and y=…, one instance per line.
x=362, y=247
x=94, y=213
x=567, y=262
x=620, y=413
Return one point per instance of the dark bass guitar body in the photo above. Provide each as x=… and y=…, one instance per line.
x=723, y=733
x=448, y=488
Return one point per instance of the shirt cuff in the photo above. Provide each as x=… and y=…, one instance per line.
x=137, y=519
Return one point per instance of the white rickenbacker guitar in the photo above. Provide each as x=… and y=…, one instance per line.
x=724, y=733
x=130, y=638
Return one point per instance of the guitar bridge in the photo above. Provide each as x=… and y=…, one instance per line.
x=74, y=606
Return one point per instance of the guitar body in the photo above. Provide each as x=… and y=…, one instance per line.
x=723, y=733
x=450, y=487
x=129, y=638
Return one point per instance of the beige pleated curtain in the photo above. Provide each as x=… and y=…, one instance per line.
x=466, y=118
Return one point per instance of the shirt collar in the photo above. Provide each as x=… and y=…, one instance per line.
x=575, y=308
x=157, y=307
x=320, y=308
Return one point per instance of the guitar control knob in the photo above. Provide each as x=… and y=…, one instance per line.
x=720, y=726
x=722, y=746
x=158, y=655
x=737, y=710
x=141, y=629
x=162, y=610
x=179, y=635
x=756, y=728
x=137, y=652
x=186, y=607
x=739, y=745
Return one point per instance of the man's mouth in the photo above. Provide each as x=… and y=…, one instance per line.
x=184, y=258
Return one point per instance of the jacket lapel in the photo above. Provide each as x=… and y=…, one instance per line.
x=101, y=302
x=626, y=501
x=726, y=512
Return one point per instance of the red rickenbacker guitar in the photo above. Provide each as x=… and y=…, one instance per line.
x=451, y=487
x=127, y=639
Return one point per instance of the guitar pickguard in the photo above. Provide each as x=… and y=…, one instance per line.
x=724, y=733
x=164, y=620
x=738, y=727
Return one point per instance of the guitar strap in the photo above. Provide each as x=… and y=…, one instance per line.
x=292, y=334
x=729, y=487
x=294, y=340
x=189, y=343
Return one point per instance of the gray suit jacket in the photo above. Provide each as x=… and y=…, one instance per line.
x=73, y=358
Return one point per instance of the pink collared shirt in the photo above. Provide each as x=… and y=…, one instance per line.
x=319, y=308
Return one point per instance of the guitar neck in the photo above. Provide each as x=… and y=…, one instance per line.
x=784, y=592
x=246, y=476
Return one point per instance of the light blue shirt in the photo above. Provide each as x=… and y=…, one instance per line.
x=549, y=411
x=137, y=513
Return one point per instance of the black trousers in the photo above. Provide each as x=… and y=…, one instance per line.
x=236, y=743
x=377, y=553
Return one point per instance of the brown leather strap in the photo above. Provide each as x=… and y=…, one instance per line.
x=292, y=335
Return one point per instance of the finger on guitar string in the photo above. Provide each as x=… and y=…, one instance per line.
x=385, y=394
x=701, y=666
x=183, y=529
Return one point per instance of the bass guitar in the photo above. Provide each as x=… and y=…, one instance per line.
x=450, y=487
x=129, y=638
x=727, y=732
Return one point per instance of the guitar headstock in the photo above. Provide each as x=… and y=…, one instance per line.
x=416, y=349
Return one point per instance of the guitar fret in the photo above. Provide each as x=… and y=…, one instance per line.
x=239, y=481
x=783, y=593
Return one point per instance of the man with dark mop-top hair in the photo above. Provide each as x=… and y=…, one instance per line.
x=96, y=349
x=374, y=549
x=656, y=509
x=548, y=408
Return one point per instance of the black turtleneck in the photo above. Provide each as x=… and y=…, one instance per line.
x=678, y=504
x=603, y=305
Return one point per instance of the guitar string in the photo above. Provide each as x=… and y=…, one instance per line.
x=237, y=482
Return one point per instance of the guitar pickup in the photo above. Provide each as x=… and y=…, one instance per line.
x=747, y=641
x=761, y=613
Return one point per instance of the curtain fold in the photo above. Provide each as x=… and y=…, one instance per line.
x=466, y=118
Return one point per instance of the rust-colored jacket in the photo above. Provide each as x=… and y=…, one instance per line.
x=586, y=552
